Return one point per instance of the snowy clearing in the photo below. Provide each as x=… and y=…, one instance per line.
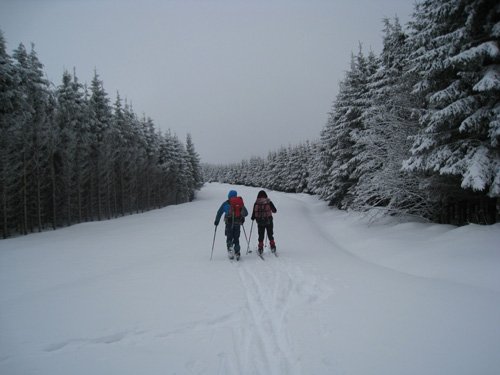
x=139, y=294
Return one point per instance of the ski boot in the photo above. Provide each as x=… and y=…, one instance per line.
x=230, y=252
x=273, y=246
x=260, y=247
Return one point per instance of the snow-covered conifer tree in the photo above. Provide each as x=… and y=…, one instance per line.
x=32, y=127
x=101, y=155
x=68, y=156
x=316, y=180
x=194, y=163
x=182, y=172
x=10, y=98
x=123, y=156
x=342, y=131
x=457, y=58
x=388, y=122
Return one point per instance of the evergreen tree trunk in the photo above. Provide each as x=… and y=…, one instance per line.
x=79, y=197
x=122, y=191
x=54, y=192
x=115, y=199
x=69, y=209
x=98, y=186
x=108, y=197
x=5, y=212
x=38, y=200
x=24, y=225
x=91, y=196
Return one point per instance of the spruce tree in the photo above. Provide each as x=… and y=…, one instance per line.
x=10, y=102
x=101, y=160
x=388, y=124
x=32, y=129
x=342, y=132
x=457, y=59
x=194, y=163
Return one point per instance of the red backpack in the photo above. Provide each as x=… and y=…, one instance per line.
x=262, y=210
x=235, y=207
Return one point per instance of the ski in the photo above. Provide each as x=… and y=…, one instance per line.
x=233, y=257
x=260, y=256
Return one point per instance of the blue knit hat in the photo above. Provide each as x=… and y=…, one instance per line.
x=232, y=193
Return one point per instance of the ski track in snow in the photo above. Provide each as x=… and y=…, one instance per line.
x=261, y=341
x=227, y=320
x=109, y=339
x=255, y=335
x=272, y=288
x=267, y=303
x=259, y=329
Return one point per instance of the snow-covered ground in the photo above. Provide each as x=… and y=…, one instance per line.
x=139, y=295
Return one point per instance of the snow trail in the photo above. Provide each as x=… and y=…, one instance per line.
x=139, y=294
x=268, y=291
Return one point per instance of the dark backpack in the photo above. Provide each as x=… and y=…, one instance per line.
x=262, y=211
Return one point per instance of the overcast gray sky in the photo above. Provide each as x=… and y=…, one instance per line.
x=243, y=77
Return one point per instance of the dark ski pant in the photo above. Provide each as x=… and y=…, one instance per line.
x=262, y=229
x=233, y=236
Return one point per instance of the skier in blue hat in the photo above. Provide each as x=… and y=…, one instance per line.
x=235, y=213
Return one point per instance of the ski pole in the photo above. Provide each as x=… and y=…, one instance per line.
x=245, y=232
x=249, y=237
x=213, y=243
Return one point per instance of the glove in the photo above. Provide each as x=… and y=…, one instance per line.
x=252, y=218
x=216, y=223
x=242, y=220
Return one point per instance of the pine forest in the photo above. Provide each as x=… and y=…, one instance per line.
x=412, y=131
x=67, y=155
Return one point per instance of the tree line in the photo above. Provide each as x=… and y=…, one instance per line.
x=413, y=131
x=67, y=155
